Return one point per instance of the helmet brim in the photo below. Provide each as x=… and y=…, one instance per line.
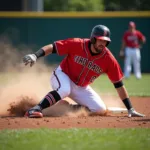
x=105, y=38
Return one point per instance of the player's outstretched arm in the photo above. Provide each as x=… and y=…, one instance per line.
x=32, y=58
x=123, y=94
x=122, y=51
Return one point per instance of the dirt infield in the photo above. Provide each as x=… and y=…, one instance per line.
x=82, y=120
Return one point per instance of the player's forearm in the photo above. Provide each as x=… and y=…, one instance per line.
x=44, y=51
x=123, y=46
x=48, y=49
x=123, y=94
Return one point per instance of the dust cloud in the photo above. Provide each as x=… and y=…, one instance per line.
x=18, y=82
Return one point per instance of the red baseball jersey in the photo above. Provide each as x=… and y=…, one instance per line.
x=81, y=66
x=133, y=39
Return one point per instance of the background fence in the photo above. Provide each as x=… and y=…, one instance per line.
x=38, y=29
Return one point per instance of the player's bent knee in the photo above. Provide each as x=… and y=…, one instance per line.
x=101, y=110
x=64, y=92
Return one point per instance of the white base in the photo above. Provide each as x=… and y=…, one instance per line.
x=117, y=110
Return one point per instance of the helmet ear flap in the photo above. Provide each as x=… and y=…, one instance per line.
x=107, y=43
x=93, y=40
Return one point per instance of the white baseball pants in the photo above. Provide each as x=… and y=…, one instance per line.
x=132, y=56
x=84, y=96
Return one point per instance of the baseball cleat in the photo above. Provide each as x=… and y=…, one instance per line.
x=33, y=113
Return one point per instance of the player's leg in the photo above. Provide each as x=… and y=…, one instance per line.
x=127, y=62
x=86, y=96
x=136, y=63
x=60, y=83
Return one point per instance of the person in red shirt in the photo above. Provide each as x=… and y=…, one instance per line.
x=132, y=40
x=85, y=61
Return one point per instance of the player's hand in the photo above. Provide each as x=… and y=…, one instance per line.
x=29, y=59
x=133, y=113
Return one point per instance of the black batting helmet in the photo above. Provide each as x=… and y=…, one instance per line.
x=100, y=32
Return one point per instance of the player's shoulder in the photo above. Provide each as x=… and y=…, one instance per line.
x=75, y=39
x=109, y=55
x=138, y=32
x=80, y=41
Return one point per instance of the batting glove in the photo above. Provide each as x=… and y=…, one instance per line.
x=133, y=113
x=29, y=59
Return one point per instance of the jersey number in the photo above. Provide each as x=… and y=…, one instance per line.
x=93, y=78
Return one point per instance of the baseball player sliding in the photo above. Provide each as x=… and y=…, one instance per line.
x=86, y=60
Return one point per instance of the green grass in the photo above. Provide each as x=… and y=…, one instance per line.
x=75, y=139
x=134, y=87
